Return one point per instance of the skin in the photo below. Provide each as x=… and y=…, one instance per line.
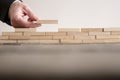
x=18, y=11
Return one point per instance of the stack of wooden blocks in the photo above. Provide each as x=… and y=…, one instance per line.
x=63, y=36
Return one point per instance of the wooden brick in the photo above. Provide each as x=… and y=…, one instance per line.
x=19, y=37
x=78, y=33
x=108, y=37
x=71, y=41
x=25, y=29
x=34, y=33
x=91, y=29
x=29, y=41
x=3, y=37
x=62, y=37
x=41, y=37
x=112, y=40
x=115, y=33
x=84, y=37
x=111, y=29
x=8, y=41
x=93, y=41
x=12, y=33
x=56, y=33
x=49, y=41
x=69, y=29
x=99, y=33
x=102, y=41
x=46, y=22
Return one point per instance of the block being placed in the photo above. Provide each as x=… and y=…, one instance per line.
x=70, y=41
x=46, y=22
x=91, y=29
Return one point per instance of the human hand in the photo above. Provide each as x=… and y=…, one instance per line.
x=17, y=12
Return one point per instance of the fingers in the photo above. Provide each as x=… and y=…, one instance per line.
x=17, y=13
x=30, y=14
x=33, y=25
x=20, y=22
x=32, y=17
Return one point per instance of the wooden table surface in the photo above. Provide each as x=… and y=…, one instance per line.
x=61, y=60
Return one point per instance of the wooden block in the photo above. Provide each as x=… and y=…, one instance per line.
x=71, y=41
x=91, y=29
x=12, y=33
x=46, y=22
x=99, y=33
x=3, y=37
x=25, y=29
x=69, y=29
x=93, y=41
x=29, y=41
x=102, y=41
x=77, y=33
x=8, y=41
x=84, y=37
x=115, y=32
x=111, y=29
x=34, y=33
x=49, y=41
x=112, y=40
x=63, y=37
x=56, y=33
x=19, y=37
x=41, y=37
x=108, y=37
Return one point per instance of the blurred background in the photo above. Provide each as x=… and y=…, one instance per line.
x=75, y=13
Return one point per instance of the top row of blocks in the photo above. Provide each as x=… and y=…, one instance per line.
x=71, y=29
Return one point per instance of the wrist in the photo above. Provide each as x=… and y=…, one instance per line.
x=16, y=1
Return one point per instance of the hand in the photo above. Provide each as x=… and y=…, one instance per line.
x=18, y=10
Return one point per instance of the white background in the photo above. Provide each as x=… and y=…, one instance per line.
x=75, y=13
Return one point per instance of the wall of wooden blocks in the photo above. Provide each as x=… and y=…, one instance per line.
x=63, y=36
